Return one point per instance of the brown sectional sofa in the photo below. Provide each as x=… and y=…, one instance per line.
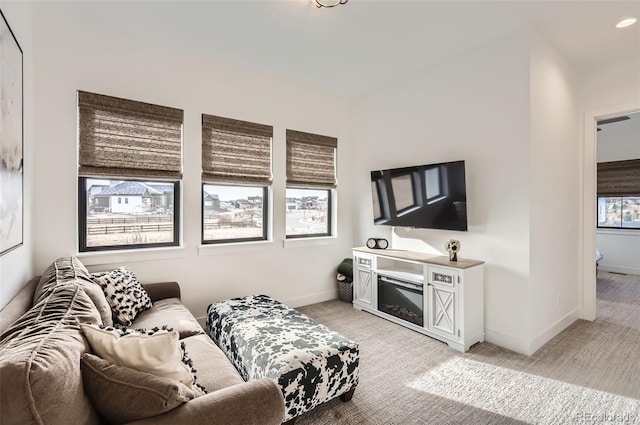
x=41, y=344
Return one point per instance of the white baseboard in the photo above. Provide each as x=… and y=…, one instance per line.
x=311, y=299
x=202, y=320
x=507, y=341
x=553, y=330
x=529, y=347
x=618, y=269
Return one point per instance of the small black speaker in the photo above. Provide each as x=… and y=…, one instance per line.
x=377, y=243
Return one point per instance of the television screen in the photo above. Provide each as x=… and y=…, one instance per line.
x=431, y=196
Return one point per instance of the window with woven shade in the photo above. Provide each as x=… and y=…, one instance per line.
x=311, y=183
x=129, y=168
x=619, y=194
x=236, y=175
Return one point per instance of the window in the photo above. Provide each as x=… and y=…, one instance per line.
x=233, y=213
x=236, y=175
x=148, y=220
x=129, y=150
x=311, y=182
x=308, y=212
x=619, y=194
x=619, y=212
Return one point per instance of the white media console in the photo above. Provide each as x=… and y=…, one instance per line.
x=431, y=295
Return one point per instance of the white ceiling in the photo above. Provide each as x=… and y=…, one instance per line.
x=354, y=48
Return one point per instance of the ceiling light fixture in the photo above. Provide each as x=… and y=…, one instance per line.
x=329, y=3
x=626, y=22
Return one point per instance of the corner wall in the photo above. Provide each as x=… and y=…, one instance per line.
x=554, y=209
x=16, y=266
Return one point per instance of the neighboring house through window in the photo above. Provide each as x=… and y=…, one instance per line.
x=130, y=150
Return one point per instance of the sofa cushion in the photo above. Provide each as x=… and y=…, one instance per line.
x=121, y=394
x=212, y=368
x=124, y=293
x=156, y=351
x=170, y=312
x=70, y=271
x=40, y=379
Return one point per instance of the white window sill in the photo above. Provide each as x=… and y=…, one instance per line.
x=618, y=232
x=234, y=247
x=97, y=258
x=312, y=241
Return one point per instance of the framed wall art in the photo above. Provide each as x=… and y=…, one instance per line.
x=11, y=140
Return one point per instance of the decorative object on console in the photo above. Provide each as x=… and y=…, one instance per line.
x=329, y=3
x=453, y=246
x=377, y=243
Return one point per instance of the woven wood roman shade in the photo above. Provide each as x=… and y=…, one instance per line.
x=237, y=152
x=122, y=138
x=619, y=178
x=311, y=160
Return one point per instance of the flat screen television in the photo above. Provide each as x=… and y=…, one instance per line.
x=431, y=196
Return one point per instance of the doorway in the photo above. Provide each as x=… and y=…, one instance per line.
x=589, y=202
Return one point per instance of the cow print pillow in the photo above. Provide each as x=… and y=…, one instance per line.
x=124, y=293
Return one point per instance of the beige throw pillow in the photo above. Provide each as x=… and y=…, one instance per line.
x=121, y=394
x=158, y=352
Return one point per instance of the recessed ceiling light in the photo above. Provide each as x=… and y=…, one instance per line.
x=626, y=22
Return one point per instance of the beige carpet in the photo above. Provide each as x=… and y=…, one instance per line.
x=588, y=374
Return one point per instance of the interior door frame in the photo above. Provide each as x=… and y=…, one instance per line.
x=588, y=194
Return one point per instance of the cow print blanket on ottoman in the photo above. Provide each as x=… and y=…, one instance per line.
x=264, y=338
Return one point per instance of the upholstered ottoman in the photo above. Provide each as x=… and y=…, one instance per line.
x=264, y=338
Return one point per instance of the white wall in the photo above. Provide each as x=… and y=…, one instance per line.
x=554, y=210
x=16, y=266
x=618, y=142
x=93, y=47
x=474, y=108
